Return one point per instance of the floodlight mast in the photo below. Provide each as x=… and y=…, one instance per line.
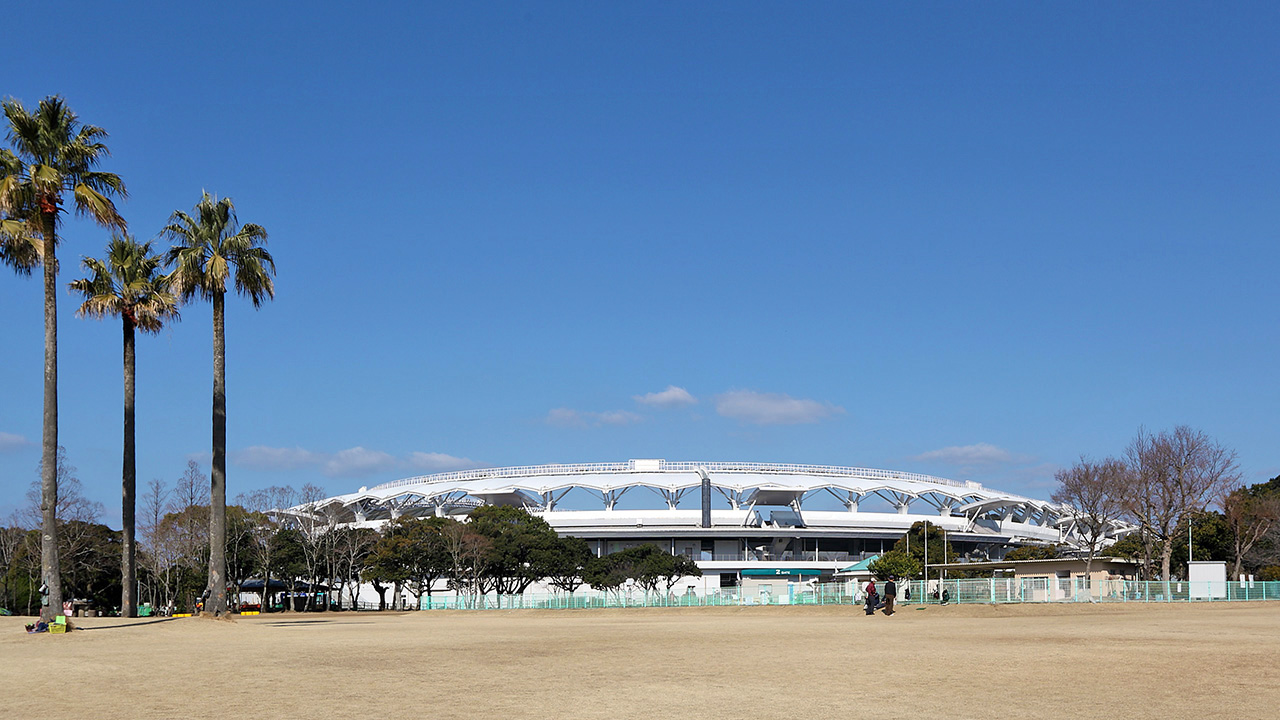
x=706, y=497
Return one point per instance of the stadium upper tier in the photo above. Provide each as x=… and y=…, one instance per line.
x=761, y=496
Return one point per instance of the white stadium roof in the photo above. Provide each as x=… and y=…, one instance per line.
x=966, y=505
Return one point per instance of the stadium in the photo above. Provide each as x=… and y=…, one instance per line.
x=740, y=521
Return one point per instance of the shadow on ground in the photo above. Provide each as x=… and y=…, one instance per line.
x=125, y=625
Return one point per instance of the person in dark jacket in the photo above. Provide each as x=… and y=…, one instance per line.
x=890, y=593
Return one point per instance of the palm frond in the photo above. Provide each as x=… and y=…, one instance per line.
x=18, y=247
x=128, y=283
x=210, y=247
x=97, y=206
x=105, y=183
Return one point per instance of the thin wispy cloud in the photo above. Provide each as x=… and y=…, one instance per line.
x=440, y=462
x=670, y=398
x=757, y=408
x=350, y=463
x=976, y=454
x=261, y=457
x=568, y=417
x=203, y=457
x=10, y=442
x=358, y=462
x=993, y=466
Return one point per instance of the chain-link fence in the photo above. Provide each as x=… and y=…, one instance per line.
x=1078, y=589
x=966, y=591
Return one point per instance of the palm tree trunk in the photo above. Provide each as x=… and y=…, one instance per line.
x=129, y=552
x=50, y=568
x=218, y=478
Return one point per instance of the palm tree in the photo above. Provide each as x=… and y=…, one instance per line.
x=206, y=248
x=128, y=285
x=53, y=154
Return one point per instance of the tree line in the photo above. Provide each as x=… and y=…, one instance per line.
x=499, y=550
x=1165, y=487
x=308, y=562
x=51, y=168
x=1161, y=485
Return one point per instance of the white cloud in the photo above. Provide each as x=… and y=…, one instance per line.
x=759, y=408
x=671, y=397
x=261, y=457
x=977, y=454
x=10, y=442
x=439, y=462
x=568, y=417
x=352, y=462
x=358, y=461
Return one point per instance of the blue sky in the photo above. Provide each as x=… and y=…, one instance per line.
x=974, y=240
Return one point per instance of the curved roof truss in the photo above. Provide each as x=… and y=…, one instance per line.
x=743, y=485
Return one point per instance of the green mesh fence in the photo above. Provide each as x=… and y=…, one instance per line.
x=916, y=592
x=1033, y=590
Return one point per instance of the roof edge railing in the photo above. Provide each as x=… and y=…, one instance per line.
x=520, y=471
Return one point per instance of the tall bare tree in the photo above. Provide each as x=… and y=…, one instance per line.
x=1175, y=473
x=1095, y=492
x=314, y=524
x=351, y=548
x=260, y=504
x=467, y=550
x=11, y=537
x=185, y=529
x=154, y=557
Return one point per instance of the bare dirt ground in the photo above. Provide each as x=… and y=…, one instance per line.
x=1039, y=661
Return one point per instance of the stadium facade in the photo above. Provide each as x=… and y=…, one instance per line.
x=740, y=521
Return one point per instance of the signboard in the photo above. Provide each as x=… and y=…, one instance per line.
x=774, y=572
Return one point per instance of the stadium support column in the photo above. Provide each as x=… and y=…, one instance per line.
x=706, y=498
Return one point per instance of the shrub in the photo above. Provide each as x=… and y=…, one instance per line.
x=1270, y=573
x=895, y=563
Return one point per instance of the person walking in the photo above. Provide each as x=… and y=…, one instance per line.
x=890, y=593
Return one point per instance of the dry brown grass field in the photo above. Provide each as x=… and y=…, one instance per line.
x=1041, y=661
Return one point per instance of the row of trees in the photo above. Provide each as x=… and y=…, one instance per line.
x=498, y=549
x=504, y=550
x=53, y=159
x=1166, y=485
x=89, y=550
x=172, y=527
x=1160, y=485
